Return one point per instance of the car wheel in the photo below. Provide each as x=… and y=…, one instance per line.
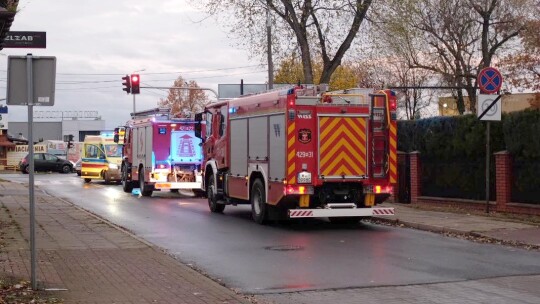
x=212, y=199
x=65, y=169
x=25, y=170
x=106, y=177
x=127, y=185
x=259, y=210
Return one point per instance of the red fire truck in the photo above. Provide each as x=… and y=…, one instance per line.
x=160, y=153
x=301, y=153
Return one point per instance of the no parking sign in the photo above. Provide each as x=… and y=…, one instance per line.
x=489, y=80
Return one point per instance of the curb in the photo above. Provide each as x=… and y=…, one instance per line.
x=475, y=236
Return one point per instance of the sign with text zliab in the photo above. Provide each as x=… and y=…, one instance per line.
x=35, y=40
x=42, y=81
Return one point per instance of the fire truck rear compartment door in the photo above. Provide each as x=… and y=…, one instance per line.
x=258, y=138
x=278, y=137
x=342, y=147
x=239, y=146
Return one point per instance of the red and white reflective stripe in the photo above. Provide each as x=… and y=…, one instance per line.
x=383, y=211
x=300, y=213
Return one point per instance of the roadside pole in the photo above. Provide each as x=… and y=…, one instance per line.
x=30, y=92
x=489, y=109
x=487, y=166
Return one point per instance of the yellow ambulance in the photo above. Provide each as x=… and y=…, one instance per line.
x=101, y=158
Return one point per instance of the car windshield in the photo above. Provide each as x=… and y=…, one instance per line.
x=113, y=151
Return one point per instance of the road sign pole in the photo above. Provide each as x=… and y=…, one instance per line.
x=487, y=165
x=30, y=92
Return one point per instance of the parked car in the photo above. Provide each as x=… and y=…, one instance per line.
x=46, y=162
x=78, y=167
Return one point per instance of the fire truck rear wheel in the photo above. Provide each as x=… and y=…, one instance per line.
x=212, y=199
x=145, y=189
x=259, y=210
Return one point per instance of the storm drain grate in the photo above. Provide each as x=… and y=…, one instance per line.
x=284, y=248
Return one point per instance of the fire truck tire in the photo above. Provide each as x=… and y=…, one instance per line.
x=212, y=199
x=145, y=189
x=259, y=210
x=127, y=185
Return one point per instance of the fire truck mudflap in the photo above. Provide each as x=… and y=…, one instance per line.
x=349, y=211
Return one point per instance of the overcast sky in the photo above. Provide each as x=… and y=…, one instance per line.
x=97, y=42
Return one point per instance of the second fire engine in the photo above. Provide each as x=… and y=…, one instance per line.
x=160, y=153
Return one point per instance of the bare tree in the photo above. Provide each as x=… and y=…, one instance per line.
x=184, y=103
x=317, y=29
x=454, y=38
x=522, y=67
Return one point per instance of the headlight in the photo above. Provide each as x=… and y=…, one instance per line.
x=113, y=166
x=304, y=178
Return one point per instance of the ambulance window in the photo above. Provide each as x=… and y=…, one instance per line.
x=208, y=124
x=91, y=151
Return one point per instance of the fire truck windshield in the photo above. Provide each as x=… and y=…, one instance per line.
x=113, y=151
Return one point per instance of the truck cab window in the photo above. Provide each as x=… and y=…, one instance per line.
x=223, y=120
x=209, y=117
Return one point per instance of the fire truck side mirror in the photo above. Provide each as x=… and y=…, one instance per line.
x=198, y=125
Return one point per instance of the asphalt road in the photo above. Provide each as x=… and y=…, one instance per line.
x=295, y=256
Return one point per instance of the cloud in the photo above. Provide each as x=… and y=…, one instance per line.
x=96, y=42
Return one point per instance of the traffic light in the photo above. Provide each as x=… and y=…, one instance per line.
x=127, y=84
x=135, y=84
x=70, y=139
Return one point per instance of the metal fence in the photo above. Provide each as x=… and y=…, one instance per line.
x=463, y=179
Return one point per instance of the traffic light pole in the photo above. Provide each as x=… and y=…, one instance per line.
x=134, y=103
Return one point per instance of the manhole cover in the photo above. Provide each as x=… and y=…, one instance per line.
x=284, y=248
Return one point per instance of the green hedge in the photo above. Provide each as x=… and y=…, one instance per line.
x=453, y=151
x=522, y=138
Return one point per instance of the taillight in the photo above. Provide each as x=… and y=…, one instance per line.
x=378, y=189
x=298, y=189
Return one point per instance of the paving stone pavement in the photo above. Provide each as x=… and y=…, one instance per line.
x=86, y=260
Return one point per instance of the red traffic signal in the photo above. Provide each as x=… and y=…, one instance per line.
x=135, y=84
x=127, y=84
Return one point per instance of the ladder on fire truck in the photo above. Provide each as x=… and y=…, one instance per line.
x=165, y=112
x=379, y=131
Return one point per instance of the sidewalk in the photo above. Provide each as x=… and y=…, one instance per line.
x=488, y=228
x=87, y=260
